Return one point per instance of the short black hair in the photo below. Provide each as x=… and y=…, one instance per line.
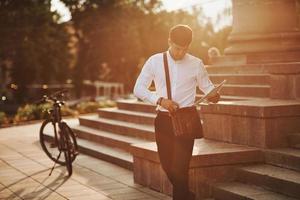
x=181, y=34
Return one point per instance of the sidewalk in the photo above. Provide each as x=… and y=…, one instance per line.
x=24, y=170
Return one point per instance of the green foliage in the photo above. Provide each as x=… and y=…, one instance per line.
x=123, y=32
x=41, y=110
x=3, y=118
x=33, y=42
x=90, y=106
x=67, y=111
x=36, y=112
x=25, y=113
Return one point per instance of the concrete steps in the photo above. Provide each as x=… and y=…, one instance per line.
x=106, y=138
x=277, y=179
x=241, y=191
x=237, y=69
x=103, y=152
x=206, y=153
x=285, y=157
x=211, y=161
x=119, y=127
x=136, y=106
x=109, y=135
x=246, y=90
x=245, y=79
x=243, y=91
x=127, y=116
x=248, y=80
x=121, y=135
x=247, y=68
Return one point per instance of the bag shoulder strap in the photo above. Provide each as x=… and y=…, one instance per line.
x=167, y=75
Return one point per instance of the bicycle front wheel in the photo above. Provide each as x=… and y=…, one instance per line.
x=70, y=146
x=70, y=141
x=68, y=161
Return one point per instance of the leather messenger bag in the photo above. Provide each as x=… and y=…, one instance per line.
x=185, y=121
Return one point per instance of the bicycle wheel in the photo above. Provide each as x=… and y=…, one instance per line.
x=68, y=154
x=69, y=146
x=70, y=140
x=49, y=143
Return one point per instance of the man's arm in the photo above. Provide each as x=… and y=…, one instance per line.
x=143, y=82
x=205, y=84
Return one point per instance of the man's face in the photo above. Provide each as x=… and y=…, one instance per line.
x=177, y=52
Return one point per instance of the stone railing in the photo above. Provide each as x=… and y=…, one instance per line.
x=110, y=89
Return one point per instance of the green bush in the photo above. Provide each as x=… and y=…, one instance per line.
x=25, y=113
x=40, y=111
x=110, y=103
x=3, y=118
x=35, y=112
x=87, y=107
x=92, y=106
x=67, y=111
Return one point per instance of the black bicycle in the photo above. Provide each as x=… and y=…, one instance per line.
x=56, y=136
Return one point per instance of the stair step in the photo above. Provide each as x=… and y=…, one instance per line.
x=238, y=98
x=284, y=157
x=241, y=191
x=246, y=90
x=245, y=79
x=206, y=153
x=127, y=116
x=136, y=106
x=277, y=179
x=240, y=69
x=294, y=140
x=112, y=155
x=248, y=68
x=123, y=128
x=106, y=138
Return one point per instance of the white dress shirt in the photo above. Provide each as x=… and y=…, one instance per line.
x=185, y=75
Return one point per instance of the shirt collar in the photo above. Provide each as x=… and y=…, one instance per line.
x=175, y=61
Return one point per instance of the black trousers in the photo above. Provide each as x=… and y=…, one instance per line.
x=175, y=154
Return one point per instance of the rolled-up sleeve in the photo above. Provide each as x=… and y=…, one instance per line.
x=141, y=88
x=203, y=81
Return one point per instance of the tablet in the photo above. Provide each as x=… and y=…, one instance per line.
x=211, y=93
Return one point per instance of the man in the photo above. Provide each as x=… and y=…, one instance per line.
x=186, y=73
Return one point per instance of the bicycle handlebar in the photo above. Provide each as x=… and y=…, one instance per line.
x=59, y=93
x=53, y=97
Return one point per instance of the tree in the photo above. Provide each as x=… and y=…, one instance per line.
x=33, y=41
x=122, y=32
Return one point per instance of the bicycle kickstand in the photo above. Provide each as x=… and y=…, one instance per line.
x=54, y=163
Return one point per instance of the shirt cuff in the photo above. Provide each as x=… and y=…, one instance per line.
x=208, y=89
x=153, y=98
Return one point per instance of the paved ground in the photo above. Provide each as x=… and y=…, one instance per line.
x=24, y=170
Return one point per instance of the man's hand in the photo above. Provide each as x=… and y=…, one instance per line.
x=170, y=105
x=214, y=99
